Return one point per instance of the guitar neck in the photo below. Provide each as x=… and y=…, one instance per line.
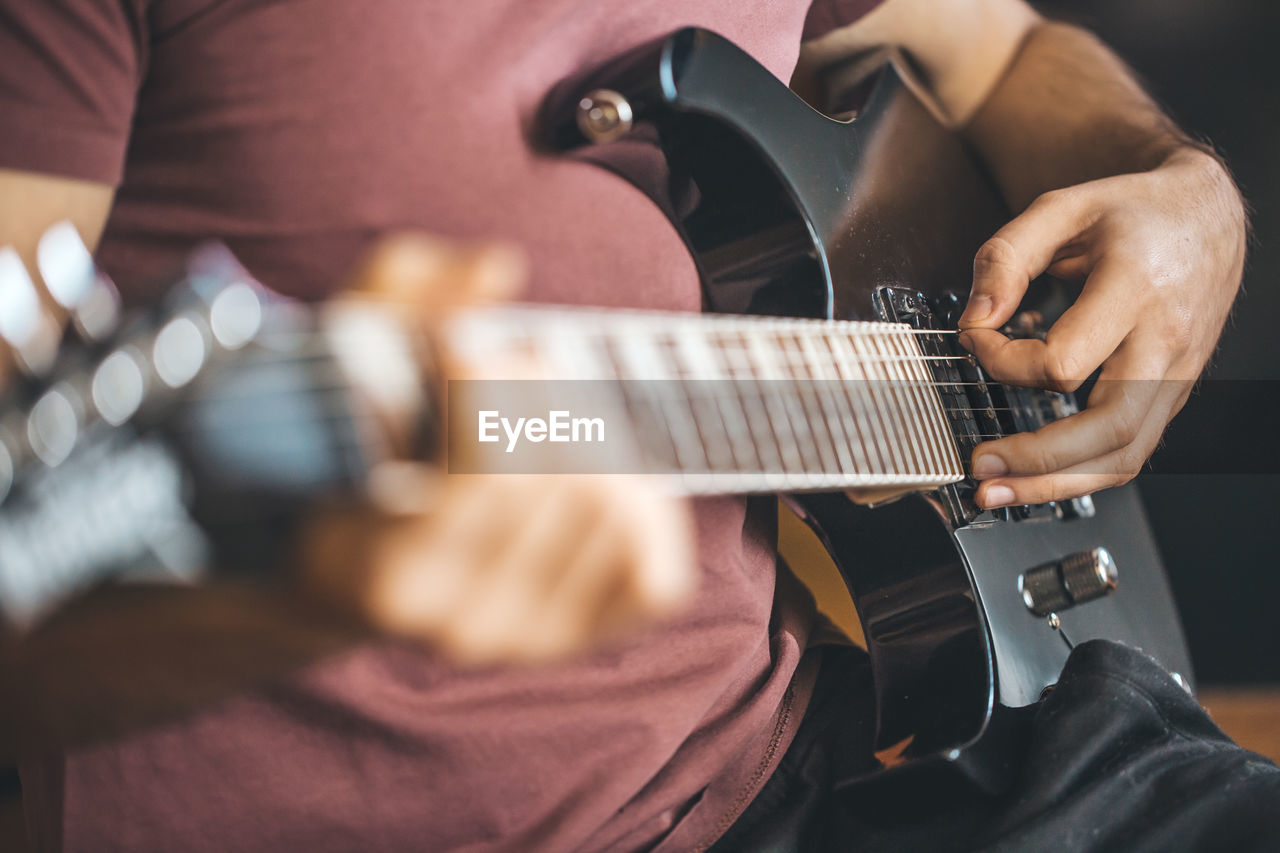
x=734, y=404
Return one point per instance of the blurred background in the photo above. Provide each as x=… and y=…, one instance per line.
x=1214, y=490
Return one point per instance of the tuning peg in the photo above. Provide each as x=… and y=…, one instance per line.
x=19, y=301
x=75, y=282
x=234, y=304
x=65, y=265
x=8, y=469
x=24, y=326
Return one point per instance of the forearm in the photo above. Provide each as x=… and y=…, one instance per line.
x=1047, y=105
x=1067, y=111
x=130, y=657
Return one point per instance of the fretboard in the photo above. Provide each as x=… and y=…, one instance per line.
x=746, y=404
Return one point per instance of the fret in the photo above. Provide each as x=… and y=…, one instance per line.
x=905, y=363
x=735, y=352
x=768, y=380
x=652, y=428
x=929, y=412
x=898, y=364
x=832, y=425
x=647, y=368
x=934, y=410
x=882, y=403
x=693, y=369
x=905, y=410
x=814, y=419
x=706, y=351
x=904, y=376
x=855, y=383
x=734, y=404
x=941, y=431
x=563, y=350
x=641, y=356
x=694, y=352
x=823, y=372
x=854, y=387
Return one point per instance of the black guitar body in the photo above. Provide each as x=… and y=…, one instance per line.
x=787, y=211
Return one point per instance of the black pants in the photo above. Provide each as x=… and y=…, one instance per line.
x=1120, y=759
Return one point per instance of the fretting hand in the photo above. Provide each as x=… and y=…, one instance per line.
x=498, y=568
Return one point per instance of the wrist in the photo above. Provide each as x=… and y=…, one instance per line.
x=1212, y=182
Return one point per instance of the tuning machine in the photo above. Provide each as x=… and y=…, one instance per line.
x=31, y=333
x=77, y=284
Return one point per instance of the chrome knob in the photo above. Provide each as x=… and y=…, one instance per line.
x=53, y=426
x=1089, y=574
x=1075, y=579
x=604, y=115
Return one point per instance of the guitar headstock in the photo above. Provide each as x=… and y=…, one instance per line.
x=108, y=371
x=163, y=441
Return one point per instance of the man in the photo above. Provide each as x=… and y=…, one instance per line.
x=299, y=133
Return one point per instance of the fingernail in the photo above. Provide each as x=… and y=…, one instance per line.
x=400, y=265
x=979, y=307
x=502, y=270
x=997, y=496
x=966, y=341
x=989, y=465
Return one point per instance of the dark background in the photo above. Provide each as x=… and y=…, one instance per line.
x=1214, y=490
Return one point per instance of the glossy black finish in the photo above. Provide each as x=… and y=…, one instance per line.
x=789, y=212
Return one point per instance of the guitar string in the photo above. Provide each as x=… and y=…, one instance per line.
x=358, y=419
x=339, y=389
x=895, y=387
x=266, y=356
x=269, y=351
x=331, y=395
x=342, y=388
x=281, y=350
x=809, y=432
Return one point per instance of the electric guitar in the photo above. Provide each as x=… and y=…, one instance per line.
x=834, y=256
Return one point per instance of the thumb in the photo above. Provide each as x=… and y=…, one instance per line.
x=1019, y=252
x=436, y=274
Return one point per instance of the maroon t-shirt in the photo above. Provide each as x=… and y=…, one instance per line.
x=298, y=131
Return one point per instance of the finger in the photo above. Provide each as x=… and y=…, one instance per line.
x=625, y=577
x=1117, y=411
x=660, y=577
x=1084, y=337
x=1019, y=252
x=576, y=603
x=491, y=622
x=659, y=573
x=437, y=274
x=1113, y=469
x=1060, y=486
x=665, y=573
x=419, y=570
